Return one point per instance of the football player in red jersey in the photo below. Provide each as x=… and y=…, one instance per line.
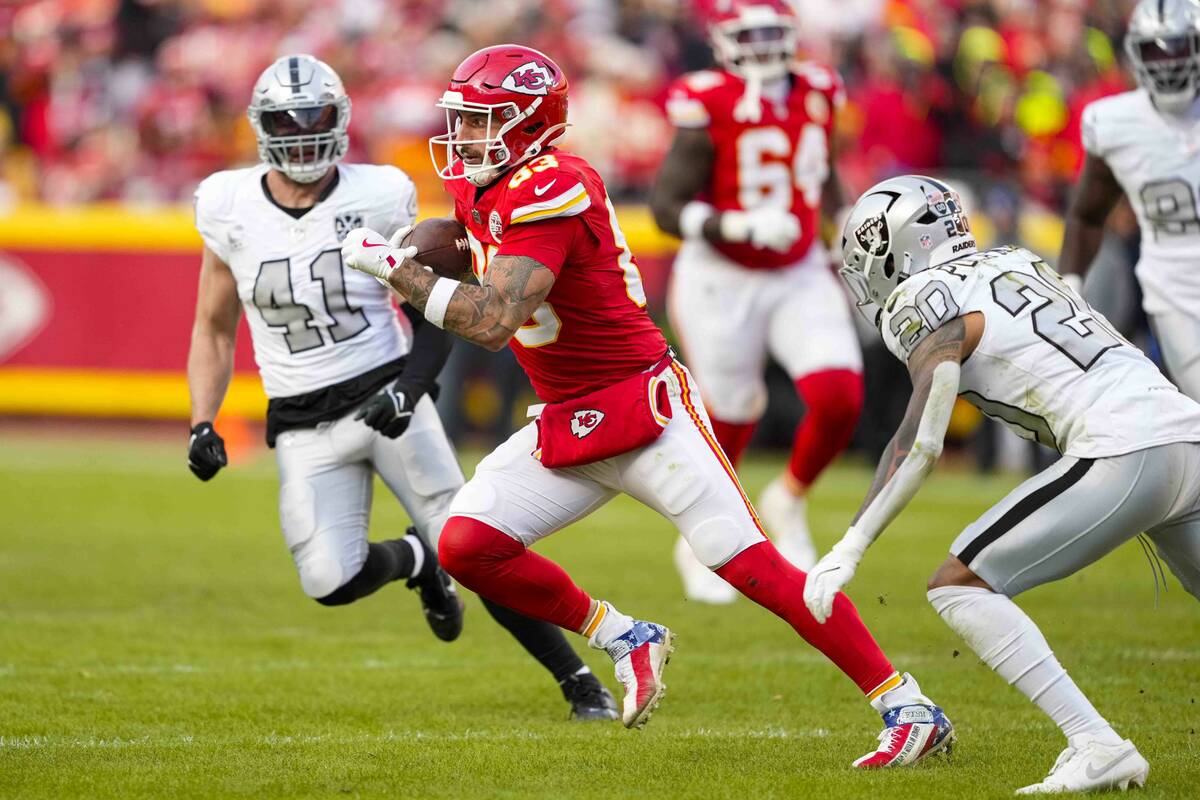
x=744, y=184
x=558, y=284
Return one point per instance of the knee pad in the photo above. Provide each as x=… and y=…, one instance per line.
x=320, y=575
x=320, y=572
x=737, y=401
x=717, y=540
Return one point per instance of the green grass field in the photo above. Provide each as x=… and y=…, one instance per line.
x=154, y=642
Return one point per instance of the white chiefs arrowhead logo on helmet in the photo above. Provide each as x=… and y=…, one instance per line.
x=586, y=421
x=529, y=78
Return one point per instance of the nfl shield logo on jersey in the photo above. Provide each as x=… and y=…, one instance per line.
x=586, y=421
x=344, y=223
x=873, y=236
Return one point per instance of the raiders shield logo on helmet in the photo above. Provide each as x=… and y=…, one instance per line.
x=586, y=421
x=872, y=235
x=529, y=78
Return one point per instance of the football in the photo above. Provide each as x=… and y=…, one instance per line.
x=442, y=246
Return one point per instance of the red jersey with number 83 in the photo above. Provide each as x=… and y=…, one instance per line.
x=781, y=160
x=593, y=329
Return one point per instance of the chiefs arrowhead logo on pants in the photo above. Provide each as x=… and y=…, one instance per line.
x=584, y=422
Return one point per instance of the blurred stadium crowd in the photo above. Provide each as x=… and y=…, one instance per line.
x=137, y=100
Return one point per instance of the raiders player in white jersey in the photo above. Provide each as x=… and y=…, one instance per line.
x=1003, y=330
x=350, y=383
x=1146, y=144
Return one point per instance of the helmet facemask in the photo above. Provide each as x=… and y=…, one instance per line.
x=502, y=119
x=761, y=50
x=1168, y=67
x=302, y=142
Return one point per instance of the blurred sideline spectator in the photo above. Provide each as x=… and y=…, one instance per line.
x=138, y=99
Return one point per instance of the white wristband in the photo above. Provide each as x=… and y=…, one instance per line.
x=693, y=217
x=439, y=300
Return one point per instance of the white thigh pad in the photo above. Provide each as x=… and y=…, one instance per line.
x=476, y=497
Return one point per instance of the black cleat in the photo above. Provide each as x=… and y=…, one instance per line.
x=588, y=698
x=439, y=599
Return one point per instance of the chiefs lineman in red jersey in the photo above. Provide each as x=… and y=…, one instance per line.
x=558, y=284
x=744, y=184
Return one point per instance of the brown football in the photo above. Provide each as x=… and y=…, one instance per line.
x=442, y=246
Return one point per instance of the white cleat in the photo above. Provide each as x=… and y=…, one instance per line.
x=1094, y=767
x=701, y=584
x=786, y=517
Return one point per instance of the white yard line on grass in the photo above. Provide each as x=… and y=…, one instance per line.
x=405, y=736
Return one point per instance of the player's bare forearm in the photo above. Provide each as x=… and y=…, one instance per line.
x=1095, y=197
x=214, y=336
x=487, y=315
x=944, y=344
x=685, y=172
x=209, y=370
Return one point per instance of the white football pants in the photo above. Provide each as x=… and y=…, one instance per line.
x=326, y=477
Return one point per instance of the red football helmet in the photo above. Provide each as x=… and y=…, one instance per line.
x=753, y=37
x=524, y=95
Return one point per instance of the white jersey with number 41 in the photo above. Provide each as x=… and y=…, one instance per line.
x=1156, y=159
x=314, y=322
x=1047, y=365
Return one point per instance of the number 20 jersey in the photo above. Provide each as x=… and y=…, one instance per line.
x=782, y=160
x=314, y=322
x=1156, y=159
x=1047, y=365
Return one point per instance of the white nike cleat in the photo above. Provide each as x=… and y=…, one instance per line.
x=786, y=517
x=700, y=584
x=1094, y=767
x=640, y=654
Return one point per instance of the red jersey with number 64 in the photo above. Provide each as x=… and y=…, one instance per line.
x=781, y=160
x=592, y=330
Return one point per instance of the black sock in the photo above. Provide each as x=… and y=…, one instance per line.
x=543, y=640
x=387, y=561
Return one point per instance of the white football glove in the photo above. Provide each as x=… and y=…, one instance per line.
x=831, y=574
x=769, y=227
x=367, y=251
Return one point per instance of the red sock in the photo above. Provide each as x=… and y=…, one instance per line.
x=767, y=578
x=733, y=437
x=496, y=566
x=834, y=400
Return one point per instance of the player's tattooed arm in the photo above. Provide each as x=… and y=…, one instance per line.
x=685, y=173
x=934, y=368
x=487, y=315
x=1094, y=199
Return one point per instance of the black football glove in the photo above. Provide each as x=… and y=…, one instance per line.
x=390, y=411
x=206, y=452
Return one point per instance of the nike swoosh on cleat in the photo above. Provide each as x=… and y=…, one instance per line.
x=1096, y=774
x=541, y=190
x=373, y=244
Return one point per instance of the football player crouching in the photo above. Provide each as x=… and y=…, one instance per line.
x=1001, y=329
